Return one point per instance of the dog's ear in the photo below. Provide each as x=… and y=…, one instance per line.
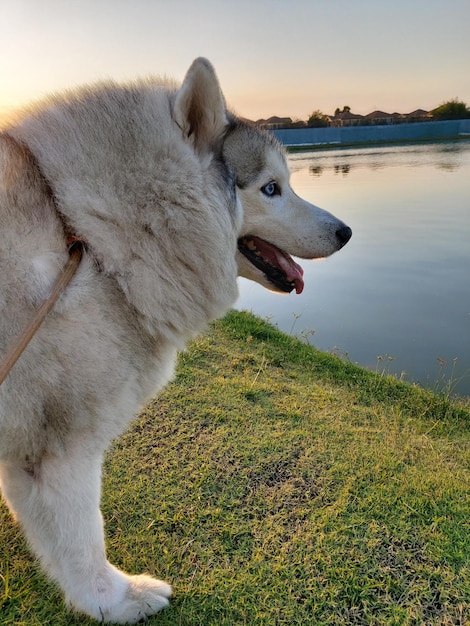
x=199, y=107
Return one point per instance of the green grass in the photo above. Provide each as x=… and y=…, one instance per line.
x=275, y=484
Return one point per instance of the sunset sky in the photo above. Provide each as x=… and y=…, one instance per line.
x=273, y=57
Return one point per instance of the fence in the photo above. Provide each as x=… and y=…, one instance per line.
x=419, y=131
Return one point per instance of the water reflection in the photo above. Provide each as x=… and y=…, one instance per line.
x=316, y=170
x=441, y=156
x=400, y=287
x=343, y=169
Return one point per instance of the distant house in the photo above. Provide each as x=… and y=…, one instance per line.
x=420, y=115
x=346, y=118
x=378, y=118
x=275, y=123
x=398, y=118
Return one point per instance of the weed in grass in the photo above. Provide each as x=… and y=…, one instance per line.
x=305, y=335
x=296, y=316
x=5, y=578
x=446, y=381
x=382, y=363
x=260, y=369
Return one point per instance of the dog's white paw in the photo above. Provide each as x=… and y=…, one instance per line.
x=144, y=596
x=121, y=599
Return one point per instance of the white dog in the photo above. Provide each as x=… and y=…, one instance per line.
x=153, y=178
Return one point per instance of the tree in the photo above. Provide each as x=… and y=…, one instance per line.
x=451, y=110
x=298, y=124
x=317, y=120
x=345, y=109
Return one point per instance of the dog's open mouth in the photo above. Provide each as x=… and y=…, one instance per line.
x=278, y=267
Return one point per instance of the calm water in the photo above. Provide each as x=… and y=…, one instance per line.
x=398, y=295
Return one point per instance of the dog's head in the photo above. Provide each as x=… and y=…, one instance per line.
x=277, y=223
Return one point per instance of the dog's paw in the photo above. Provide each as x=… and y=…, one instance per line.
x=144, y=596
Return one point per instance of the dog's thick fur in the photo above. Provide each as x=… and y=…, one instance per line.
x=153, y=178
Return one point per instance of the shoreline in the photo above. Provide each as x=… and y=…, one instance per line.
x=399, y=142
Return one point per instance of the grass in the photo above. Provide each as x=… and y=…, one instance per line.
x=275, y=484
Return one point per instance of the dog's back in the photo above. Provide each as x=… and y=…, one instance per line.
x=33, y=247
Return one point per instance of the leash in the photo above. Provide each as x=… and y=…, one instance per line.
x=16, y=350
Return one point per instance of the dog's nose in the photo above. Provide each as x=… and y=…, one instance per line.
x=344, y=235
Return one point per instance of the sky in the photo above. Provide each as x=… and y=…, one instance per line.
x=285, y=58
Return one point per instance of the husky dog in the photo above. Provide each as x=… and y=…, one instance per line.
x=173, y=196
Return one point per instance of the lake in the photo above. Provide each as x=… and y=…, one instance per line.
x=397, y=297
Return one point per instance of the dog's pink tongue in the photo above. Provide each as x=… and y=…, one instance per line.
x=283, y=261
x=293, y=272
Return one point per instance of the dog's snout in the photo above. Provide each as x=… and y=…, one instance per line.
x=344, y=235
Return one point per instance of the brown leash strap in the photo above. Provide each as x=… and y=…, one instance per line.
x=60, y=284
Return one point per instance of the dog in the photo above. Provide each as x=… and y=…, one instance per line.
x=173, y=197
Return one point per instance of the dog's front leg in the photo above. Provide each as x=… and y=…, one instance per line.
x=57, y=502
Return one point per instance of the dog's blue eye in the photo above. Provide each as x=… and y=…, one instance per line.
x=271, y=189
